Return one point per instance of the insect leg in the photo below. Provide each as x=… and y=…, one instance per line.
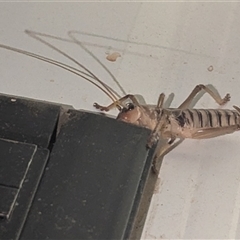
x=160, y=123
x=155, y=133
x=214, y=132
x=160, y=100
x=237, y=108
x=200, y=134
x=162, y=150
x=197, y=89
x=117, y=103
x=153, y=137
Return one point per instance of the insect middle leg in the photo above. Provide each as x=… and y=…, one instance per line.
x=161, y=148
x=160, y=123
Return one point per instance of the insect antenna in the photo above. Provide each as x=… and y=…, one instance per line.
x=90, y=77
x=71, y=35
x=36, y=35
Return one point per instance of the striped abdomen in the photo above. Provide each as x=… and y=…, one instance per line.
x=206, y=118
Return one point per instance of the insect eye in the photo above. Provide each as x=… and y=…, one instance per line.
x=130, y=106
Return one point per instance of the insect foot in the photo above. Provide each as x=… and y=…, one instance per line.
x=151, y=141
x=101, y=108
x=154, y=167
x=225, y=99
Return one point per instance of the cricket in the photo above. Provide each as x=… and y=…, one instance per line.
x=167, y=123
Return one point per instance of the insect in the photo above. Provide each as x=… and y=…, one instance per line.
x=181, y=122
x=167, y=123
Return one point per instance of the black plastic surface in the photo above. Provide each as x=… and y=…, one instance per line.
x=15, y=160
x=11, y=227
x=26, y=120
x=91, y=182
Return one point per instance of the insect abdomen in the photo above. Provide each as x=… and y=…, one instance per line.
x=207, y=118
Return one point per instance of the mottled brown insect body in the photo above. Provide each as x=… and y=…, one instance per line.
x=188, y=123
x=181, y=122
x=192, y=123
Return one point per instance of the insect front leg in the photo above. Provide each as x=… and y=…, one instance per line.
x=197, y=89
x=161, y=151
x=117, y=104
x=155, y=133
x=161, y=101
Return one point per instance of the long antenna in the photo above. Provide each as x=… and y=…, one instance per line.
x=70, y=34
x=105, y=88
x=36, y=36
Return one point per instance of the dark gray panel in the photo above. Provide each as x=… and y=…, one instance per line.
x=11, y=228
x=26, y=120
x=92, y=181
x=7, y=196
x=14, y=161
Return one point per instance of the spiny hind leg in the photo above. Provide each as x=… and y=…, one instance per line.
x=237, y=108
x=214, y=132
x=197, y=89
